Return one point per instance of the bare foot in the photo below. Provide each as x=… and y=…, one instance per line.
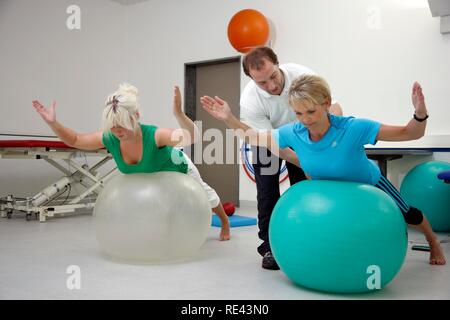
x=225, y=233
x=436, y=254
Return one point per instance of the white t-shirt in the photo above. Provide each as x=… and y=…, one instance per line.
x=263, y=111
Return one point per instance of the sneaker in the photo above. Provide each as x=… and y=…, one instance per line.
x=268, y=262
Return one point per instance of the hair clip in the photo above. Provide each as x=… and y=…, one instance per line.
x=115, y=104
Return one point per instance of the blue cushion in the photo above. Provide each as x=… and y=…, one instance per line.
x=235, y=221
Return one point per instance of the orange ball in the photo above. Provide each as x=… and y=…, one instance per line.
x=248, y=29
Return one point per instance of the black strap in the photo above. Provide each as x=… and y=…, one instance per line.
x=420, y=119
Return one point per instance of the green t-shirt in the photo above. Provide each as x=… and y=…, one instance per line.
x=154, y=159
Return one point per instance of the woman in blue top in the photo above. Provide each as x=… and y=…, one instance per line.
x=330, y=147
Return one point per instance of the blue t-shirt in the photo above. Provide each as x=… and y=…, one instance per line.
x=339, y=155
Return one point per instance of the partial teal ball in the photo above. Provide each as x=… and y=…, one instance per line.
x=422, y=189
x=340, y=237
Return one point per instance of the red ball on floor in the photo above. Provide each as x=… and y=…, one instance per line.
x=229, y=208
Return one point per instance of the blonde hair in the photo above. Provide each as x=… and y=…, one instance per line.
x=311, y=88
x=121, y=108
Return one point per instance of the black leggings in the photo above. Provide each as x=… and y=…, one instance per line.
x=412, y=215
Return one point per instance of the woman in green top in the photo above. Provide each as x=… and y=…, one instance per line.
x=136, y=147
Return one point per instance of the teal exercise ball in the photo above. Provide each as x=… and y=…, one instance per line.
x=422, y=189
x=340, y=237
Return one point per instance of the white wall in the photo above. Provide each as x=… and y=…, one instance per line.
x=371, y=51
x=42, y=59
x=370, y=70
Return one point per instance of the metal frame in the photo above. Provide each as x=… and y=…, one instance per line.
x=81, y=175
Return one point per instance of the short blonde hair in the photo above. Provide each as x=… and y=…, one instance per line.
x=121, y=109
x=311, y=88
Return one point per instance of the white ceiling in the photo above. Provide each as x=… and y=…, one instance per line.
x=128, y=2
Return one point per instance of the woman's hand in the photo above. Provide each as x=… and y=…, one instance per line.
x=177, y=108
x=48, y=114
x=418, y=101
x=216, y=107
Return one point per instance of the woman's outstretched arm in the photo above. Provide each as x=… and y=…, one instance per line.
x=83, y=141
x=415, y=129
x=220, y=110
x=187, y=134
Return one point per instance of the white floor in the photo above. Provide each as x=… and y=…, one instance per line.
x=34, y=259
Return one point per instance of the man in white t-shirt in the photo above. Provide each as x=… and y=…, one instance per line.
x=264, y=106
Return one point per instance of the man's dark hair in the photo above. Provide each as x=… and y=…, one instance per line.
x=255, y=59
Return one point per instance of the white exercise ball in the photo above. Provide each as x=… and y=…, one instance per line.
x=152, y=217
